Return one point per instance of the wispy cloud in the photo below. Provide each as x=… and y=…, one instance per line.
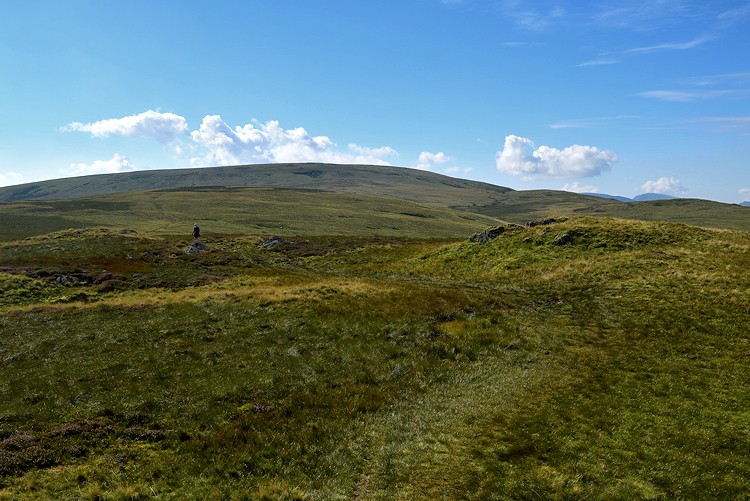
x=590, y=123
x=744, y=192
x=601, y=61
x=576, y=161
x=530, y=17
x=684, y=96
x=721, y=79
x=646, y=15
x=616, y=57
x=736, y=85
x=733, y=16
x=735, y=124
x=690, y=44
x=521, y=45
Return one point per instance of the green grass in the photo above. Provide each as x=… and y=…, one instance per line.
x=611, y=363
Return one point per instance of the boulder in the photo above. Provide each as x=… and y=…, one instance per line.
x=272, y=242
x=196, y=247
x=563, y=239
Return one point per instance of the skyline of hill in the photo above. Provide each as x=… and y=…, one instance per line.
x=406, y=184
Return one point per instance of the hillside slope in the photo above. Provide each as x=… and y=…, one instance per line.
x=397, y=182
x=277, y=211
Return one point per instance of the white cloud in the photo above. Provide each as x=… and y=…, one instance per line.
x=217, y=143
x=427, y=160
x=269, y=142
x=163, y=127
x=573, y=161
x=665, y=186
x=577, y=187
x=745, y=192
x=458, y=170
x=10, y=178
x=118, y=163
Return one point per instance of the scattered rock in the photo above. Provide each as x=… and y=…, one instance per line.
x=543, y=222
x=487, y=235
x=272, y=242
x=65, y=279
x=196, y=247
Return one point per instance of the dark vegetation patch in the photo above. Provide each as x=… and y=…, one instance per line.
x=313, y=173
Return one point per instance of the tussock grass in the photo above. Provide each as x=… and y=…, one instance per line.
x=607, y=364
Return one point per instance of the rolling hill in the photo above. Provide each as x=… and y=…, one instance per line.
x=396, y=183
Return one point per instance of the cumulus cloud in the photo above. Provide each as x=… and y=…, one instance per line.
x=665, y=186
x=577, y=187
x=518, y=159
x=217, y=143
x=427, y=160
x=745, y=192
x=163, y=127
x=269, y=142
x=10, y=178
x=118, y=163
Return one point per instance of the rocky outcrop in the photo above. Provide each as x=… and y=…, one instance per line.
x=543, y=222
x=487, y=235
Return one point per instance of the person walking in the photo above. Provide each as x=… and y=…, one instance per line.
x=196, y=232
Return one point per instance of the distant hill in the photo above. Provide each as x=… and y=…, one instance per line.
x=649, y=197
x=609, y=197
x=403, y=184
x=645, y=197
x=398, y=182
x=745, y=204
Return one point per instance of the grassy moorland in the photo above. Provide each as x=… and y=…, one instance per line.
x=115, y=192
x=591, y=358
x=240, y=211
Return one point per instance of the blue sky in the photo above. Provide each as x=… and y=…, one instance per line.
x=615, y=96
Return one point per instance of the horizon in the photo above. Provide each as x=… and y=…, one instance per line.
x=622, y=99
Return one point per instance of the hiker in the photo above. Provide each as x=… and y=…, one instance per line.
x=196, y=231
